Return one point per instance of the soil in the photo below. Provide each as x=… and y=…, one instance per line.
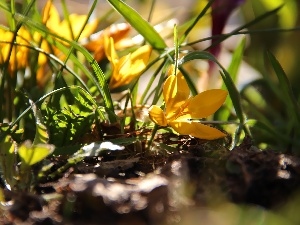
x=202, y=182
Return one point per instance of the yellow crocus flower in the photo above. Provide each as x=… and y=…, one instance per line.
x=51, y=19
x=95, y=43
x=62, y=28
x=128, y=67
x=180, y=108
x=19, y=54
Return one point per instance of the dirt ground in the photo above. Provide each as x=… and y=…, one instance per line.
x=199, y=182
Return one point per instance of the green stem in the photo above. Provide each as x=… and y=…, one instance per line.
x=150, y=82
x=154, y=130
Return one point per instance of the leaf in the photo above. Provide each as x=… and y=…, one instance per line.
x=32, y=154
x=98, y=79
x=80, y=89
x=195, y=21
x=84, y=99
x=41, y=133
x=286, y=89
x=176, y=46
x=143, y=99
x=287, y=16
x=280, y=137
x=236, y=60
x=188, y=80
x=141, y=25
x=233, y=69
x=8, y=159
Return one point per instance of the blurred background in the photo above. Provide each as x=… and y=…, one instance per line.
x=274, y=38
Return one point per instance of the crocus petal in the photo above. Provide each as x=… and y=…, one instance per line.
x=51, y=19
x=50, y=15
x=120, y=72
x=78, y=21
x=109, y=49
x=157, y=115
x=134, y=63
x=172, y=70
x=18, y=54
x=95, y=43
x=196, y=129
x=176, y=91
x=206, y=103
x=123, y=66
x=139, y=59
x=128, y=67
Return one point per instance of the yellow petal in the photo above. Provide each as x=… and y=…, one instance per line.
x=123, y=66
x=139, y=59
x=118, y=32
x=172, y=70
x=196, y=129
x=18, y=54
x=157, y=115
x=109, y=49
x=134, y=63
x=78, y=21
x=206, y=103
x=120, y=76
x=50, y=15
x=52, y=20
x=176, y=91
x=129, y=67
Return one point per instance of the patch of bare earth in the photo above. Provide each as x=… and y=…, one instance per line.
x=158, y=188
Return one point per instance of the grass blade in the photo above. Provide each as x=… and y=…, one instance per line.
x=141, y=25
x=189, y=29
x=285, y=87
x=240, y=30
x=233, y=68
x=41, y=132
x=99, y=79
x=189, y=81
x=72, y=87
